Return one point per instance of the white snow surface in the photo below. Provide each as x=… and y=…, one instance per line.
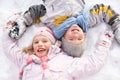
x=110, y=71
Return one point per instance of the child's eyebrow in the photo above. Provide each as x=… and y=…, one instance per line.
x=35, y=40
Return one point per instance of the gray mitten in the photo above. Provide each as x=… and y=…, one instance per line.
x=37, y=11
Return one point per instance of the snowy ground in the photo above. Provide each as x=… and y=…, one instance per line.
x=110, y=71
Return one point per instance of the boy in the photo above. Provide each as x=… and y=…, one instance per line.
x=89, y=17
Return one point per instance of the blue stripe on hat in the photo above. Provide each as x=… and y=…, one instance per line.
x=60, y=30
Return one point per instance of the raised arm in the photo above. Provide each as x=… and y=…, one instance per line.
x=11, y=50
x=89, y=65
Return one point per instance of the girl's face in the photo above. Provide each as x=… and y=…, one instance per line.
x=41, y=45
x=75, y=35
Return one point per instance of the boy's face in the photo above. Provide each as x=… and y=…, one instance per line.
x=41, y=45
x=75, y=35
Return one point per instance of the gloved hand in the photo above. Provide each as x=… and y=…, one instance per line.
x=106, y=38
x=37, y=11
x=26, y=19
x=17, y=29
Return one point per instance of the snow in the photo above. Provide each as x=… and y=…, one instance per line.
x=110, y=71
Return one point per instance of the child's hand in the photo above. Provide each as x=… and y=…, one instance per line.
x=16, y=27
x=37, y=11
x=106, y=38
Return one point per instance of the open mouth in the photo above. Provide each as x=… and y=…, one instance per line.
x=75, y=30
x=40, y=50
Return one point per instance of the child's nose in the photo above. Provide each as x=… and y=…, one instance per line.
x=40, y=43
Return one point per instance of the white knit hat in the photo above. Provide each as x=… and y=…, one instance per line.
x=45, y=31
x=73, y=50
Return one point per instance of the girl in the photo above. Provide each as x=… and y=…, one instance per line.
x=32, y=60
x=45, y=61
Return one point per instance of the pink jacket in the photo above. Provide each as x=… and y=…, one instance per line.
x=61, y=67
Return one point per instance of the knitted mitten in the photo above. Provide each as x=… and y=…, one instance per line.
x=17, y=29
x=37, y=11
x=26, y=19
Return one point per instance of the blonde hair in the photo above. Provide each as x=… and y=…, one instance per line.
x=28, y=50
x=43, y=31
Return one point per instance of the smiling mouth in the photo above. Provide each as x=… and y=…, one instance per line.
x=75, y=30
x=40, y=50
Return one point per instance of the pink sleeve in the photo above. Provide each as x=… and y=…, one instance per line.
x=11, y=50
x=89, y=65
